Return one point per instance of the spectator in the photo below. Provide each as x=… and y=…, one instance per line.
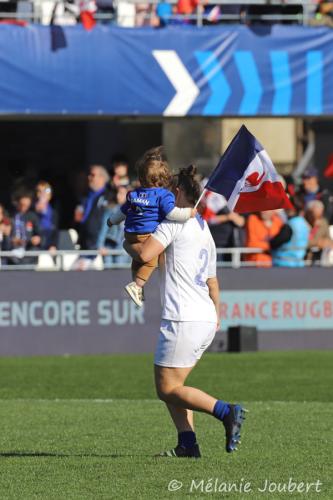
x=111, y=238
x=260, y=229
x=119, y=173
x=319, y=239
x=48, y=217
x=225, y=226
x=323, y=14
x=5, y=230
x=311, y=190
x=290, y=244
x=188, y=8
x=163, y=13
x=289, y=185
x=25, y=234
x=90, y=214
x=143, y=14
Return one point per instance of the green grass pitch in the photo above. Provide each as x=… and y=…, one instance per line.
x=87, y=428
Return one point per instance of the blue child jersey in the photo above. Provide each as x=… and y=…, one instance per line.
x=145, y=208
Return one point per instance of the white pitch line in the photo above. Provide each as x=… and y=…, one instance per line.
x=98, y=401
x=149, y=401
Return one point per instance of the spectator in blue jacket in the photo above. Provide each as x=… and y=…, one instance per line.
x=111, y=238
x=89, y=215
x=47, y=216
x=289, y=246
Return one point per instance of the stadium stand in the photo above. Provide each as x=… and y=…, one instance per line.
x=233, y=234
x=67, y=254
x=132, y=13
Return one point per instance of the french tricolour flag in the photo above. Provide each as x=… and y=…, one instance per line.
x=246, y=177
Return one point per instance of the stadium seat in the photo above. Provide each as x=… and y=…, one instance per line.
x=74, y=236
x=61, y=15
x=68, y=261
x=46, y=263
x=98, y=264
x=67, y=239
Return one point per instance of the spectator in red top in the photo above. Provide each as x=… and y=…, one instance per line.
x=187, y=6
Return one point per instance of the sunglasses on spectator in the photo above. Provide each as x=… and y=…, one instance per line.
x=43, y=190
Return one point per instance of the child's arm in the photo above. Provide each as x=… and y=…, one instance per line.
x=117, y=216
x=181, y=214
x=169, y=211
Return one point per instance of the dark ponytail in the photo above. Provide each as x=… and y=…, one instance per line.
x=186, y=180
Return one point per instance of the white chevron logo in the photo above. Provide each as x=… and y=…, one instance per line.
x=186, y=89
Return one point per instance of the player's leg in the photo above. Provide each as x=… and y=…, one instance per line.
x=182, y=418
x=171, y=389
x=180, y=346
x=178, y=350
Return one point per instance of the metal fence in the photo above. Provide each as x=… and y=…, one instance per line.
x=82, y=260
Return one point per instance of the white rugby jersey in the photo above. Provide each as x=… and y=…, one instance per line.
x=190, y=258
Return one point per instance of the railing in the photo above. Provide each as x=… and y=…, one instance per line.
x=41, y=11
x=81, y=260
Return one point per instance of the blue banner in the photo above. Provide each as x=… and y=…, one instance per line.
x=175, y=71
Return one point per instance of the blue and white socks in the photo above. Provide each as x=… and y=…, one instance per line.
x=221, y=409
x=187, y=439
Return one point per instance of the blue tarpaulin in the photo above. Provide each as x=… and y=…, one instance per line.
x=174, y=71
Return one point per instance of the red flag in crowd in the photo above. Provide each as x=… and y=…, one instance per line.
x=87, y=11
x=328, y=172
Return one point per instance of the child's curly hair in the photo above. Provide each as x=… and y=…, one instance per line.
x=153, y=169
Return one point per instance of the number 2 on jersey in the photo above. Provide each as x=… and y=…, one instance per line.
x=203, y=257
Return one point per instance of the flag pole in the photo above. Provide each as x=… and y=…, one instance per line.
x=200, y=198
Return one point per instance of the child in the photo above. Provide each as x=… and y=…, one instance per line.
x=145, y=208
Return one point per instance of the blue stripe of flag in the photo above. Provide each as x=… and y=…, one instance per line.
x=233, y=163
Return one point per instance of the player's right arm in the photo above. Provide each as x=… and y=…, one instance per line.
x=156, y=244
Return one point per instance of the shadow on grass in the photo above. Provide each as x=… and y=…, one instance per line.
x=32, y=454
